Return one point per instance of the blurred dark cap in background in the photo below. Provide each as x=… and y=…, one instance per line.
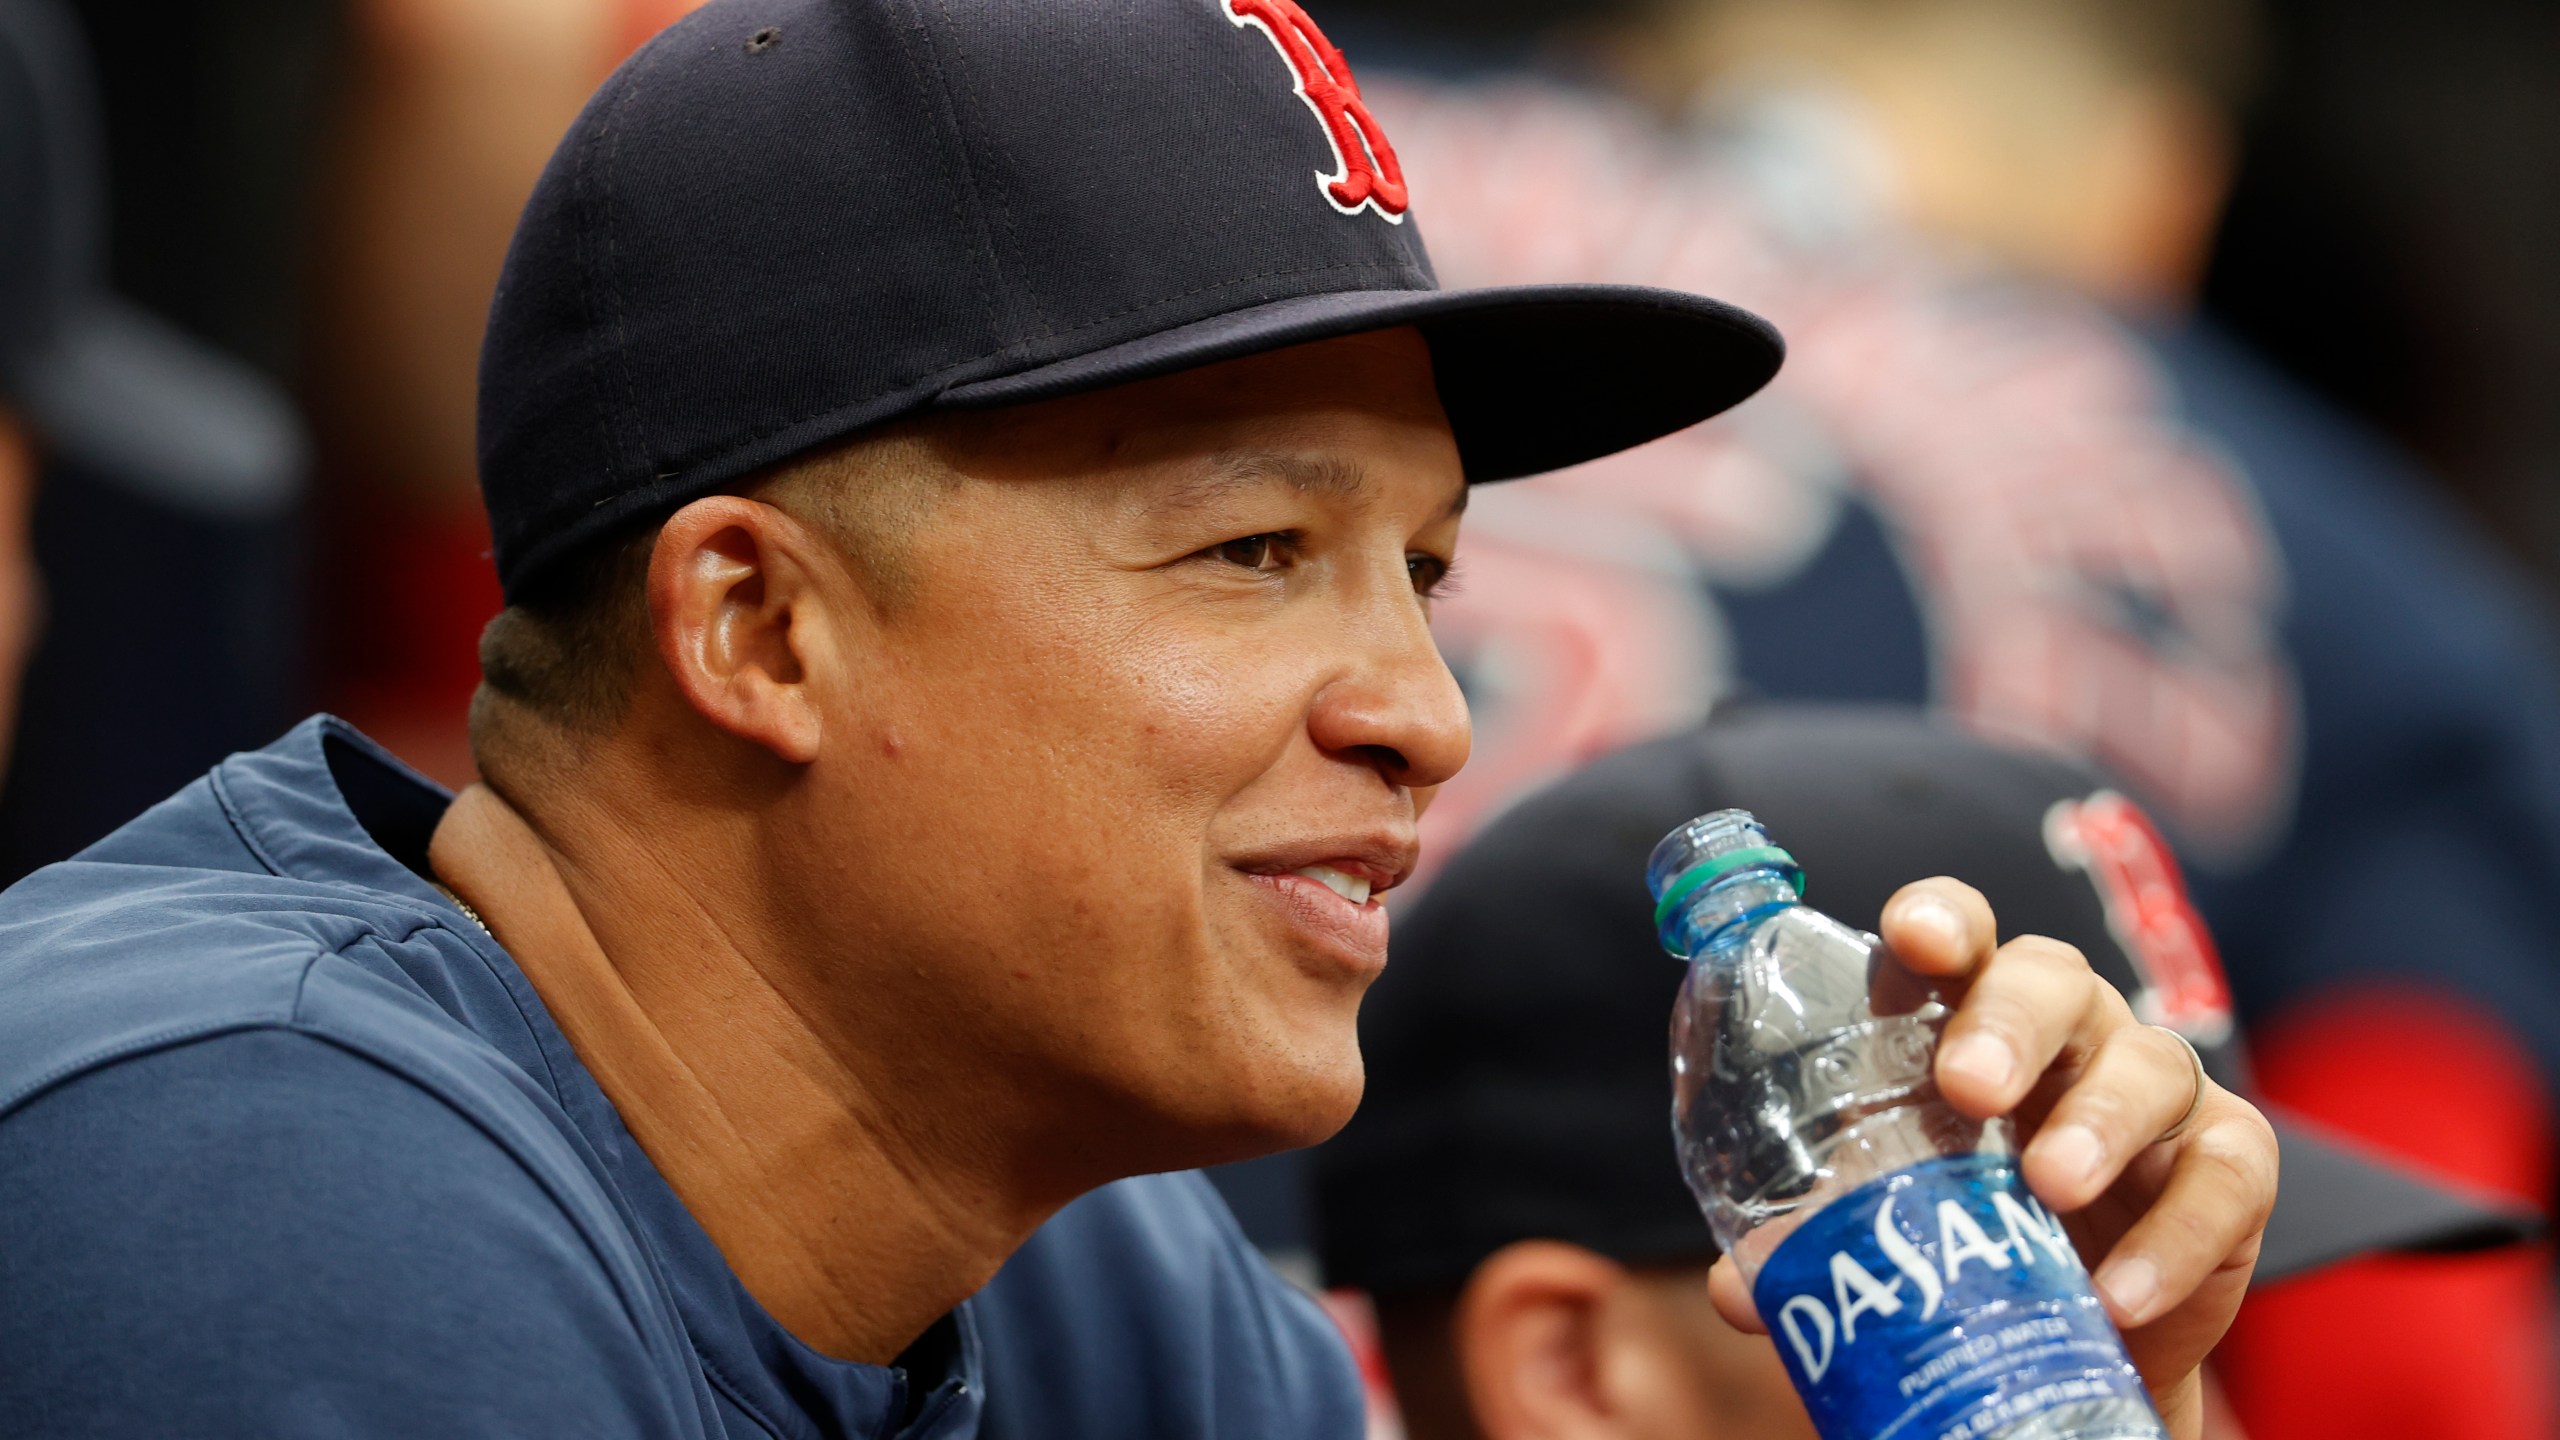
x=1518, y=1081
x=103, y=384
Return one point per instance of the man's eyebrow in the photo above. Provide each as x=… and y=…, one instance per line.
x=1326, y=475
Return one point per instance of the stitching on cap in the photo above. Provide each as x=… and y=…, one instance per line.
x=985, y=193
x=635, y=419
x=582, y=193
x=1163, y=301
x=955, y=147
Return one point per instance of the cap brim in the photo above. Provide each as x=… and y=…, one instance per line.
x=2337, y=1200
x=137, y=404
x=1534, y=378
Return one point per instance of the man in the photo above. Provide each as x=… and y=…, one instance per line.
x=1505, y=1195
x=147, y=497
x=967, y=482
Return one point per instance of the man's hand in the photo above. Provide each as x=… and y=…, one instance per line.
x=2164, y=1187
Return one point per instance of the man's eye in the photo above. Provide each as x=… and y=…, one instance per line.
x=1430, y=574
x=1253, y=552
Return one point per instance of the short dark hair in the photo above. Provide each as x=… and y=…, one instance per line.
x=566, y=655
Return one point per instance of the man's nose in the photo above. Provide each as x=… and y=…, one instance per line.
x=1400, y=713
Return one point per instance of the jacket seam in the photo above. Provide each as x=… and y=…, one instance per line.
x=633, y=1312
x=718, y=1375
x=178, y=1037
x=712, y=1370
x=140, y=1046
x=429, y=920
x=425, y=918
x=239, y=821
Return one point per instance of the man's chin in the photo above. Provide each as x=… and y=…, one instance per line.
x=1318, y=1117
x=1265, y=1114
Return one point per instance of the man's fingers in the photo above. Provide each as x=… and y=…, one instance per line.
x=2207, y=1217
x=1940, y=928
x=2140, y=1082
x=1733, y=1298
x=2028, y=1002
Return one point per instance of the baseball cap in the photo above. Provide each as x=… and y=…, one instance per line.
x=1517, y=1073
x=104, y=384
x=784, y=221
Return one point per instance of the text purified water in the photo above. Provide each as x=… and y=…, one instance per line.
x=1915, y=1289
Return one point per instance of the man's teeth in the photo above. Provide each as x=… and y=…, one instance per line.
x=1349, y=887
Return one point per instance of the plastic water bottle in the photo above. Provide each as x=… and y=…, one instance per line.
x=1915, y=1288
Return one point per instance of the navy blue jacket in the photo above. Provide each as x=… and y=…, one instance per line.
x=289, y=1146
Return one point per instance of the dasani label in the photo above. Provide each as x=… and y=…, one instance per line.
x=1942, y=1302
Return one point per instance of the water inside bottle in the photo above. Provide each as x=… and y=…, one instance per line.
x=1850, y=1193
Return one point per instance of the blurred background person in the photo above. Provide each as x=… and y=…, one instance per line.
x=2390, y=238
x=2104, y=529
x=148, y=496
x=1505, y=1195
x=456, y=104
x=2009, y=475
x=326, y=187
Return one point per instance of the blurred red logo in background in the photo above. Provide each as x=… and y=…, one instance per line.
x=2109, y=838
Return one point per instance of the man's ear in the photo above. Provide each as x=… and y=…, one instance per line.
x=1532, y=1333
x=734, y=611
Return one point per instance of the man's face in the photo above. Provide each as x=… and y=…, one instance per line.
x=1161, y=692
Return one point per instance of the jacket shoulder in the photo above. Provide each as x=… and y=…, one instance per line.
x=264, y=1230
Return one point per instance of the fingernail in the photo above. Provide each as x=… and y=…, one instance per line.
x=1930, y=914
x=1984, y=1059
x=2075, y=1151
x=2132, y=1285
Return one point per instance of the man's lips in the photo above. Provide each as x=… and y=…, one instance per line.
x=1328, y=891
x=1356, y=931
x=1354, y=868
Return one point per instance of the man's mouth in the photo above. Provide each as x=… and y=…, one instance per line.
x=1354, y=888
x=1331, y=894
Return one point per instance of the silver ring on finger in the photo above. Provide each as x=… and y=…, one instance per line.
x=2195, y=1058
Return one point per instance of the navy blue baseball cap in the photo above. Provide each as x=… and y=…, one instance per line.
x=784, y=221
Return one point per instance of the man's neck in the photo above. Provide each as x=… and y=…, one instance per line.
x=799, y=1170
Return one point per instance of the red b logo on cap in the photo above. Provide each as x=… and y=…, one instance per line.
x=1365, y=175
